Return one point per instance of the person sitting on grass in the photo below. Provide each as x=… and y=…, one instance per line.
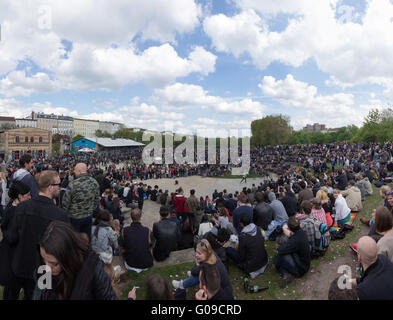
x=318, y=212
x=210, y=284
x=337, y=293
x=136, y=242
x=251, y=255
x=383, y=191
x=293, y=257
x=376, y=281
x=157, y=288
x=384, y=226
x=204, y=254
x=343, y=213
x=353, y=197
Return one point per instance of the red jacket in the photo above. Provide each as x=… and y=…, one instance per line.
x=178, y=203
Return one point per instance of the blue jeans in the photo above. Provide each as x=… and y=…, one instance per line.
x=232, y=254
x=346, y=219
x=191, y=281
x=272, y=226
x=83, y=225
x=286, y=264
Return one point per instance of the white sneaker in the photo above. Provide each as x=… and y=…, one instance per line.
x=189, y=273
x=177, y=284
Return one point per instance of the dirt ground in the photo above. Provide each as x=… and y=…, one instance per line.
x=316, y=286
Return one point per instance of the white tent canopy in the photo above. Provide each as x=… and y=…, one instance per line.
x=86, y=150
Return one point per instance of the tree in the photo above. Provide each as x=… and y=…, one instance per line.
x=77, y=137
x=271, y=130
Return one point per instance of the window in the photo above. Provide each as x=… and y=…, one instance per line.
x=32, y=140
x=17, y=139
x=26, y=139
x=40, y=140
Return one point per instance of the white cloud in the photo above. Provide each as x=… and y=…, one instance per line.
x=183, y=96
x=351, y=53
x=104, y=38
x=334, y=110
x=16, y=83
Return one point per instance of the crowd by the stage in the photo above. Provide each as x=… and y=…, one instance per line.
x=67, y=213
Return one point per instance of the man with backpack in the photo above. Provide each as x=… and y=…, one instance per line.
x=317, y=233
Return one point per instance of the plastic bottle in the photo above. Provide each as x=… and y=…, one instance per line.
x=255, y=289
x=245, y=284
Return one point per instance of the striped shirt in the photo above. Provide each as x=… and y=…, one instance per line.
x=320, y=215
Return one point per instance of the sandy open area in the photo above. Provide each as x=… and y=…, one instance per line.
x=202, y=186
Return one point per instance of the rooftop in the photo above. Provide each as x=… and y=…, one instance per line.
x=109, y=142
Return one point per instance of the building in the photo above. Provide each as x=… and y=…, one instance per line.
x=315, y=127
x=34, y=141
x=108, y=145
x=110, y=127
x=26, y=123
x=65, y=126
x=7, y=123
x=85, y=128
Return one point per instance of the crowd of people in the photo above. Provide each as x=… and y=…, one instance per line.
x=65, y=213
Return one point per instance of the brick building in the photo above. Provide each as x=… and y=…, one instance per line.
x=15, y=142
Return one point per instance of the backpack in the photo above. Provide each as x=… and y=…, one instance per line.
x=321, y=239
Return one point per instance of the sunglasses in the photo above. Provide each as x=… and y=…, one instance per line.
x=389, y=192
x=55, y=184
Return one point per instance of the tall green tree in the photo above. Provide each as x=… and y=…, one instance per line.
x=271, y=130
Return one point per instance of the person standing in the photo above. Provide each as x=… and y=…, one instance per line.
x=32, y=218
x=192, y=205
x=18, y=193
x=24, y=175
x=81, y=199
x=140, y=193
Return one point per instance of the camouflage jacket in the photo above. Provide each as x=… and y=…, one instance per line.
x=82, y=197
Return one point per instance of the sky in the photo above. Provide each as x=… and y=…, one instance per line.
x=197, y=66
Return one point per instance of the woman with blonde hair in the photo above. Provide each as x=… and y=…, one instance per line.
x=326, y=205
x=204, y=254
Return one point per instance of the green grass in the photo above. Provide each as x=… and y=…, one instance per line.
x=271, y=277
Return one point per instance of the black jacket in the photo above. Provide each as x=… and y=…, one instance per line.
x=290, y=203
x=342, y=182
x=252, y=252
x=298, y=243
x=32, y=218
x=167, y=236
x=263, y=215
x=98, y=286
x=136, y=244
x=226, y=286
x=377, y=281
x=7, y=248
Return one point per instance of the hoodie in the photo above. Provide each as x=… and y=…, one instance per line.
x=250, y=229
x=252, y=252
x=353, y=198
x=25, y=177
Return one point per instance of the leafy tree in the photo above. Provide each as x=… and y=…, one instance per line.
x=271, y=130
x=77, y=137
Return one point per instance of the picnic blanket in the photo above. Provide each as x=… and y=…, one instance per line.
x=350, y=222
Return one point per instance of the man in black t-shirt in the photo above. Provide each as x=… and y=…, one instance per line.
x=376, y=282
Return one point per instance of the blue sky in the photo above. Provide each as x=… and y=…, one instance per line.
x=197, y=65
